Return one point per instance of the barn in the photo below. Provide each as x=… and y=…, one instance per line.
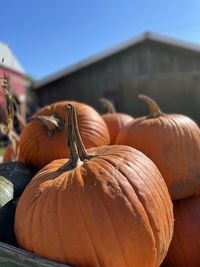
x=163, y=68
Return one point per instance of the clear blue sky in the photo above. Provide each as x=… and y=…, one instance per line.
x=48, y=35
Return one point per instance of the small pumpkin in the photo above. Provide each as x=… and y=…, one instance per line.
x=106, y=207
x=184, y=248
x=43, y=139
x=115, y=121
x=172, y=141
x=18, y=173
x=6, y=191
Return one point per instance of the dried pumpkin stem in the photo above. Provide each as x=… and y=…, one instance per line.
x=51, y=123
x=154, y=110
x=108, y=105
x=71, y=144
x=76, y=148
x=80, y=146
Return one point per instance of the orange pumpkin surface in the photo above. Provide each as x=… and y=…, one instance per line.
x=184, y=248
x=40, y=144
x=173, y=142
x=115, y=121
x=109, y=207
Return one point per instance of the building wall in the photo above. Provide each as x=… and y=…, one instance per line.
x=169, y=74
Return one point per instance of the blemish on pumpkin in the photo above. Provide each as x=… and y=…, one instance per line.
x=37, y=193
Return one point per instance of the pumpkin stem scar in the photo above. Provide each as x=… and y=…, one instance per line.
x=108, y=105
x=154, y=110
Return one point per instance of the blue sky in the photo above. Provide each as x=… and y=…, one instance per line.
x=48, y=35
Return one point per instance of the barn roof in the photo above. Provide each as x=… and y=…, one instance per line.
x=115, y=50
x=9, y=60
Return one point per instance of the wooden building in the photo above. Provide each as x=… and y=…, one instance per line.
x=163, y=68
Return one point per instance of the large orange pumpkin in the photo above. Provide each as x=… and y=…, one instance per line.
x=173, y=142
x=41, y=143
x=114, y=120
x=184, y=248
x=109, y=207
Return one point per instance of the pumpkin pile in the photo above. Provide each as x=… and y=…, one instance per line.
x=107, y=206
x=102, y=195
x=173, y=142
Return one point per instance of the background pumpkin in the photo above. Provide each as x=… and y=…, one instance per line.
x=115, y=121
x=41, y=143
x=184, y=248
x=108, y=208
x=173, y=142
x=7, y=216
x=18, y=173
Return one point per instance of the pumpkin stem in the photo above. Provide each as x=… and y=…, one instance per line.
x=108, y=105
x=79, y=143
x=8, y=129
x=71, y=145
x=77, y=151
x=52, y=123
x=154, y=110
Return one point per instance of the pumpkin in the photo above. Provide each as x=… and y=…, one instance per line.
x=42, y=135
x=7, y=216
x=184, y=248
x=115, y=121
x=172, y=141
x=18, y=173
x=106, y=207
x=6, y=191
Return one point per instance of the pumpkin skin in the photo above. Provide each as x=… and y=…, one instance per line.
x=112, y=209
x=6, y=191
x=115, y=122
x=35, y=142
x=184, y=248
x=173, y=142
x=7, y=216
